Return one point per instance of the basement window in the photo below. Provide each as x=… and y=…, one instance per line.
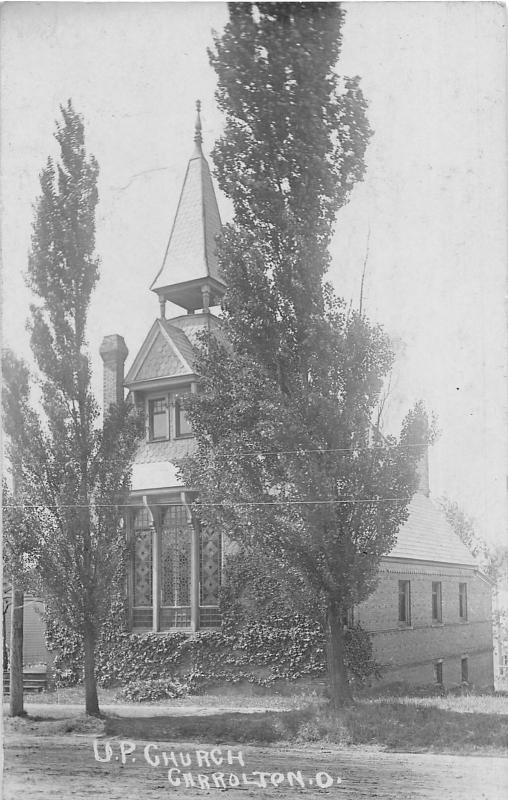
x=437, y=605
x=438, y=672
x=405, y=602
x=463, y=601
x=464, y=669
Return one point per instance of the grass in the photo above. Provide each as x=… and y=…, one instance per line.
x=451, y=724
x=231, y=699
x=393, y=719
x=472, y=704
x=403, y=727
x=44, y=726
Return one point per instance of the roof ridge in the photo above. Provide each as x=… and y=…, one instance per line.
x=163, y=323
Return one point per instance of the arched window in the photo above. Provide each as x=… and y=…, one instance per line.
x=166, y=593
x=176, y=535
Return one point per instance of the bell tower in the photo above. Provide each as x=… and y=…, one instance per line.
x=190, y=276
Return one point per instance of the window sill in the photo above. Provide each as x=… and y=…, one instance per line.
x=184, y=436
x=437, y=623
x=188, y=631
x=159, y=439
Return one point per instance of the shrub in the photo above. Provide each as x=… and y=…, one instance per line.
x=143, y=691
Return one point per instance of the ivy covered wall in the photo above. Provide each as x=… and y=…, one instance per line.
x=287, y=648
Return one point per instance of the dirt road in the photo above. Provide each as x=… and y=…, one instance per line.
x=65, y=767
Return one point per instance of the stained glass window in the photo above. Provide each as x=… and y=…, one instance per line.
x=176, y=557
x=142, y=559
x=210, y=566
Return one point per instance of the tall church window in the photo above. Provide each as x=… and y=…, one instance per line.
x=176, y=571
x=437, y=606
x=142, y=559
x=176, y=535
x=210, y=562
x=405, y=602
x=463, y=601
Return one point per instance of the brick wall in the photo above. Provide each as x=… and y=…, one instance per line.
x=113, y=351
x=409, y=652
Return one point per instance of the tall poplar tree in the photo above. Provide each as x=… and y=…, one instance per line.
x=74, y=473
x=288, y=461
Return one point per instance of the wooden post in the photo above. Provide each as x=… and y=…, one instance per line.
x=156, y=582
x=156, y=577
x=16, y=708
x=195, y=577
x=194, y=585
x=129, y=533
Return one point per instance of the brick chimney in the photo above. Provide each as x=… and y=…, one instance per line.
x=423, y=473
x=113, y=352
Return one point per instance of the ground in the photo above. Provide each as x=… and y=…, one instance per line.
x=51, y=754
x=64, y=767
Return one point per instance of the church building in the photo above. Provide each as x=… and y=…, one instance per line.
x=430, y=616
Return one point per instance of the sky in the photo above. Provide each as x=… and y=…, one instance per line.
x=429, y=220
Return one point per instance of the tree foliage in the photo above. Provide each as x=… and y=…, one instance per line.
x=492, y=559
x=288, y=462
x=292, y=150
x=75, y=472
x=20, y=543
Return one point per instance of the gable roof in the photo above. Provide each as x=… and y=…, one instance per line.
x=179, y=341
x=427, y=536
x=165, y=353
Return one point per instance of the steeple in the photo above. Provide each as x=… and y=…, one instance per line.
x=189, y=275
x=198, y=138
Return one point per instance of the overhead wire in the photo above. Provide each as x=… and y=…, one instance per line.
x=218, y=505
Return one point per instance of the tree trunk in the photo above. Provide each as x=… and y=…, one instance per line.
x=5, y=650
x=340, y=691
x=16, y=656
x=91, y=699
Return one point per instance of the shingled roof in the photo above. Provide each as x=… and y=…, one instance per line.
x=427, y=536
x=165, y=353
x=190, y=253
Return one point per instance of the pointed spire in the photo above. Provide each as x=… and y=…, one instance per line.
x=190, y=275
x=197, y=127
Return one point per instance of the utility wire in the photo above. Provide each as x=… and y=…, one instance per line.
x=224, y=505
x=252, y=453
